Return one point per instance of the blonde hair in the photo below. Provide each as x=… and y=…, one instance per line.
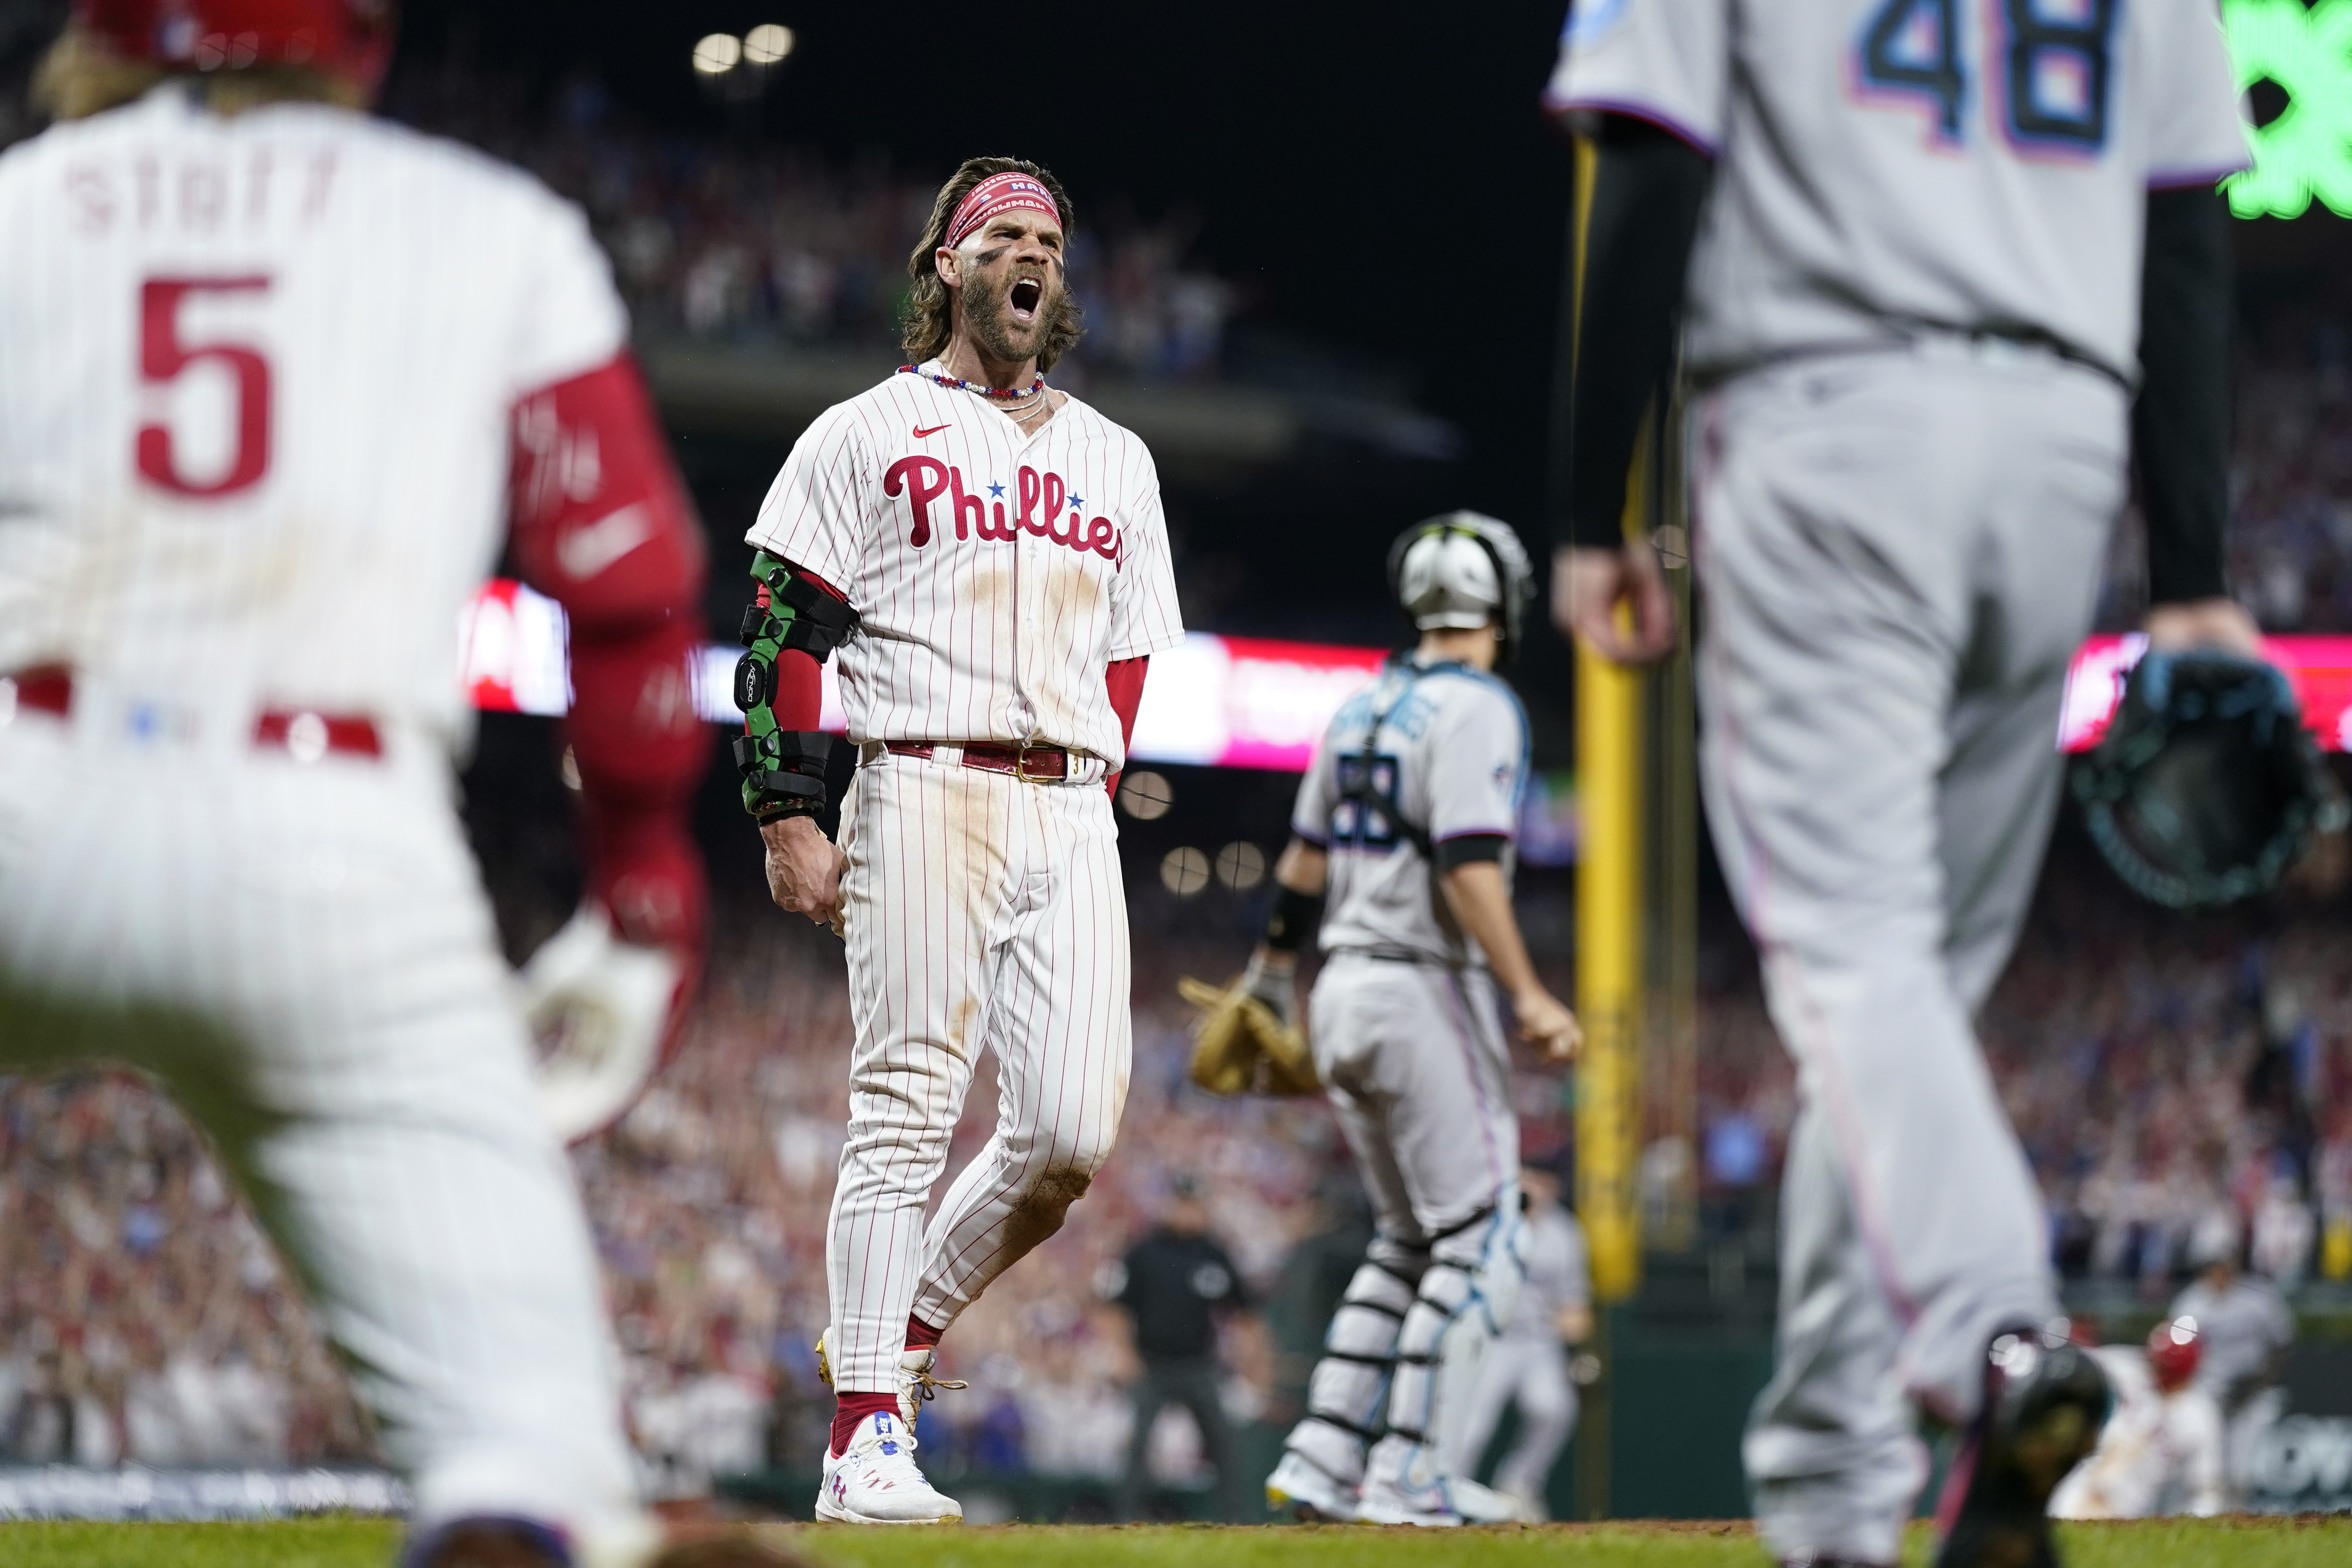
x=931, y=304
x=80, y=77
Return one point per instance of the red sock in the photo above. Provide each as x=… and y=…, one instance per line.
x=920, y=1335
x=849, y=1409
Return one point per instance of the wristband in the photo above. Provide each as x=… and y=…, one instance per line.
x=1294, y=918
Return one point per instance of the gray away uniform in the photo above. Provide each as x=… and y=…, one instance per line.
x=1529, y=1366
x=1915, y=302
x=1410, y=1046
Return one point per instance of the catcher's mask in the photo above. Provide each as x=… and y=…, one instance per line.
x=1461, y=570
x=2206, y=787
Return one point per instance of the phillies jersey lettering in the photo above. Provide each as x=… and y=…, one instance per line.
x=198, y=498
x=924, y=479
x=1888, y=166
x=994, y=572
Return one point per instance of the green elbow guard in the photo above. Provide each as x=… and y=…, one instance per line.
x=782, y=769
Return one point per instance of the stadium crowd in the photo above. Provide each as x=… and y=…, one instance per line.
x=779, y=246
x=2165, y=1078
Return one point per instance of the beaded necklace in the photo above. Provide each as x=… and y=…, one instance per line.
x=953, y=384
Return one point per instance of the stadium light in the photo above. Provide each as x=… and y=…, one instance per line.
x=1185, y=871
x=718, y=53
x=767, y=43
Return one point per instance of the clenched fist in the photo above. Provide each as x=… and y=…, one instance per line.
x=804, y=869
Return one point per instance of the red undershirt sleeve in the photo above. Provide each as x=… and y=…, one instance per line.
x=602, y=523
x=1123, y=680
x=799, y=702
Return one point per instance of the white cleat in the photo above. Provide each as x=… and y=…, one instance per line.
x=1402, y=1486
x=1480, y=1504
x=1303, y=1489
x=876, y=1480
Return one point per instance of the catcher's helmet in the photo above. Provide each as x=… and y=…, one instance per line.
x=2174, y=1348
x=349, y=38
x=1463, y=569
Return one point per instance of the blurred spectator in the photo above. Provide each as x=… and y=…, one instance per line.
x=1527, y=1365
x=1176, y=1284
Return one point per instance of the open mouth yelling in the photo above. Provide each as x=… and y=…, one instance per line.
x=1027, y=295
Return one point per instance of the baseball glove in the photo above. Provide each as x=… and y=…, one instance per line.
x=603, y=1010
x=1239, y=1046
x=2206, y=787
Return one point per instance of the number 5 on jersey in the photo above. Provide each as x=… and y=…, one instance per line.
x=165, y=354
x=2051, y=84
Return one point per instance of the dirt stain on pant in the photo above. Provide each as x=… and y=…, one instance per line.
x=1039, y=1212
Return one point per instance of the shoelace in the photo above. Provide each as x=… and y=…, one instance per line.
x=926, y=1387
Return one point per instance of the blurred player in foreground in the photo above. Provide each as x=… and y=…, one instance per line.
x=1404, y=828
x=1529, y=1367
x=1947, y=260
x=2160, y=1451
x=988, y=556
x=279, y=379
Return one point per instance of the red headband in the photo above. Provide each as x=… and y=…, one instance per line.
x=999, y=193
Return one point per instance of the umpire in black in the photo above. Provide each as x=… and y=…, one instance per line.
x=1174, y=1283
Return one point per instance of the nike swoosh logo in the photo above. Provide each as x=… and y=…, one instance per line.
x=920, y=432
x=585, y=551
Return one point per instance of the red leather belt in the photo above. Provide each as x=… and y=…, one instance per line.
x=1020, y=761
x=45, y=689
x=308, y=735
x=304, y=733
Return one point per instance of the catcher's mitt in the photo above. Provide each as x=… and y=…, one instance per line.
x=2206, y=787
x=1239, y=1047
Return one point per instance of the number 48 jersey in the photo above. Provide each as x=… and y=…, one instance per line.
x=256, y=402
x=1887, y=167
x=1428, y=755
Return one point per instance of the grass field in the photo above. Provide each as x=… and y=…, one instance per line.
x=2240, y=1543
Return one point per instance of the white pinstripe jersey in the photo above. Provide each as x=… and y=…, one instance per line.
x=1883, y=165
x=255, y=399
x=995, y=575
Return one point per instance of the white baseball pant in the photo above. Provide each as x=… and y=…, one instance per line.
x=1900, y=551
x=302, y=955
x=981, y=912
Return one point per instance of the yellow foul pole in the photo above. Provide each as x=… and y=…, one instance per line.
x=1609, y=969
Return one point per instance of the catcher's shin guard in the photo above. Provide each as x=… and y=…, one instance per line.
x=1465, y=1296
x=1351, y=1382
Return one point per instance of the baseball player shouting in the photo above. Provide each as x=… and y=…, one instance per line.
x=1403, y=831
x=279, y=378
x=986, y=557
x=1949, y=259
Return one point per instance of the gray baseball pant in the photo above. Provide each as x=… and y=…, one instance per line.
x=1899, y=551
x=1419, y=1076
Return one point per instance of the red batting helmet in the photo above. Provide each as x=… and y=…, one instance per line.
x=2174, y=1348
x=341, y=37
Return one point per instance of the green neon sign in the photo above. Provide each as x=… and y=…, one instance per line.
x=2307, y=152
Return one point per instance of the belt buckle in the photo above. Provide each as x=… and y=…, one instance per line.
x=1020, y=765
